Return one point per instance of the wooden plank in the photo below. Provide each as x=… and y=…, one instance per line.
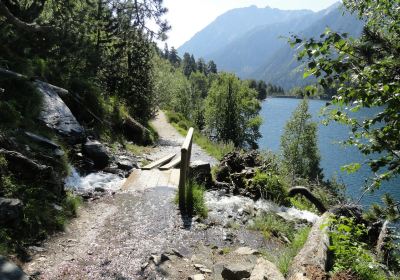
x=188, y=139
x=175, y=162
x=174, y=178
x=158, y=162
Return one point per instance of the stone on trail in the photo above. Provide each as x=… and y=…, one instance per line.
x=245, y=251
x=10, y=271
x=265, y=270
x=237, y=271
x=197, y=277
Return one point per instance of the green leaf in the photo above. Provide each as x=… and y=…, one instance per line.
x=351, y=168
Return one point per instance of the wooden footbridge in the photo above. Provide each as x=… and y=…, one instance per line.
x=169, y=171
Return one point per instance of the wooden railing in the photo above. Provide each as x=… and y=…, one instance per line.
x=186, y=151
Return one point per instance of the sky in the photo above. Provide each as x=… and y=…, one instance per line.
x=187, y=17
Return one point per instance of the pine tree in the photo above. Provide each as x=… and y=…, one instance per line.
x=212, y=67
x=299, y=145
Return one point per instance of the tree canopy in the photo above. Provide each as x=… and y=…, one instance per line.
x=366, y=73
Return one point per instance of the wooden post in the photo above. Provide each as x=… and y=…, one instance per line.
x=185, y=162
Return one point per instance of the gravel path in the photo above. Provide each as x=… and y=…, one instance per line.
x=170, y=141
x=114, y=236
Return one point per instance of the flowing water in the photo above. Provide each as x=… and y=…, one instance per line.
x=105, y=181
x=277, y=111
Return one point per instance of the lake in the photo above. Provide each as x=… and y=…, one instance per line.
x=276, y=112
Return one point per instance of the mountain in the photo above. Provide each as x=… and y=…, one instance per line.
x=232, y=25
x=261, y=51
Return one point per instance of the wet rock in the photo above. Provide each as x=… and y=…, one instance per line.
x=200, y=172
x=237, y=271
x=265, y=270
x=126, y=164
x=245, y=251
x=57, y=116
x=10, y=212
x=96, y=152
x=10, y=271
x=42, y=140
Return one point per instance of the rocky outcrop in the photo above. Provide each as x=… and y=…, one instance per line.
x=10, y=212
x=29, y=170
x=97, y=152
x=57, y=116
x=10, y=271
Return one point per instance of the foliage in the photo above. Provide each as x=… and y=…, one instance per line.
x=107, y=44
x=20, y=103
x=349, y=251
x=286, y=257
x=272, y=186
x=365, y=74
x=271, y=225
x=195, y=197
x=299, y=145
x=195, y=193
x=264, y=89
x=387, y=211
x=232, y=112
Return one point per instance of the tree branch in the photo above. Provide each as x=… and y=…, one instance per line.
x=29, y=27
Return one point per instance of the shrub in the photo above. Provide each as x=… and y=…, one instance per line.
x=20, y=102
x=271, y=186
x=350, y=253
x=195, y=197
x=271, y=224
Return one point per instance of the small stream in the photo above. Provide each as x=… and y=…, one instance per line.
x=93, y=181
x=224, y=208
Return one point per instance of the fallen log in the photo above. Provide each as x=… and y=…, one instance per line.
x=307, y=194
x=310, y=263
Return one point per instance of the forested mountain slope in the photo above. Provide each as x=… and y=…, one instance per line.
x=259, y=49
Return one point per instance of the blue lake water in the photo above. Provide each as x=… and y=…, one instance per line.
x=277, y=111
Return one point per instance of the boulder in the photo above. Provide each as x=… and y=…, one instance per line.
x=237, y=271
x=96, y=152
x=56, y=115
x=135, y=131
x=10, y=212
x=265, y=270
x=10, y=271
x=200, y=172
